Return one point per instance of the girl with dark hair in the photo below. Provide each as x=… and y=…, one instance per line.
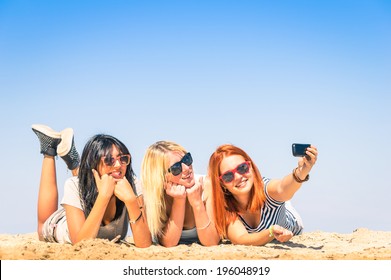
x=250, y=209
x=99, y=200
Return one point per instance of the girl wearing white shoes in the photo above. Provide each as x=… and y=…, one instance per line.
x=100, y=200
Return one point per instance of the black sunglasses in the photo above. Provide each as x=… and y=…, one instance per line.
x=242, y=169
x=176, y=168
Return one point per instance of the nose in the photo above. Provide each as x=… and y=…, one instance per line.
x=185, y=167
x=117, y=163
x=238, y=176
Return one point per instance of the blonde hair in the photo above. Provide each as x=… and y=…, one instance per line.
x=154, y=168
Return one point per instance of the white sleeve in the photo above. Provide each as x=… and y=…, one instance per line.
x=139, y=186
x=71, y=193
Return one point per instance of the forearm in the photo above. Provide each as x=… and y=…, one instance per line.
x=138, y=224
x=288, y=187
x=256, y=239
x=206, y=230
x=292, y=182
x=173, y=229
x=92, y=224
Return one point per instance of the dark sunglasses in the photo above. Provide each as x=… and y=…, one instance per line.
x=110, y=161
x=176, y=168
x=242, y=169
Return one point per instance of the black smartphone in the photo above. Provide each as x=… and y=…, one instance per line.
x=298, y=150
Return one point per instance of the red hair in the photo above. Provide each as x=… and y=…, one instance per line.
x=225, y=207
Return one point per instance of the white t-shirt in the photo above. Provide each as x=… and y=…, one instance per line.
x=55, y=228
x=71, y=193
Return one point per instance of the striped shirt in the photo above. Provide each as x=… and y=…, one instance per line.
x=276, y=212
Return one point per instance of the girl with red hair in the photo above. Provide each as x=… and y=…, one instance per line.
x=250, y=209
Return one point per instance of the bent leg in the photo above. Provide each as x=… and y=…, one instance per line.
x=48, y=192
x=298, y=226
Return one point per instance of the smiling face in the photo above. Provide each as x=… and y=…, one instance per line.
x=186, y=177
x=118, y=170
x=241, y=183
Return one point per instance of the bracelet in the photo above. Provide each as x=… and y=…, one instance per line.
x=204, y=226
x=297, y=179
x=271, y=233
x=138, y=218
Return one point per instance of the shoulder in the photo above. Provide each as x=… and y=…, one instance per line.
x=71, y=184
x=71, y=193
x=269, y=188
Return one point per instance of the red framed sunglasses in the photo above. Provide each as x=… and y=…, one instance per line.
x=229, y=175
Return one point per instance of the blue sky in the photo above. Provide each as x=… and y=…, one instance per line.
x=259, y=74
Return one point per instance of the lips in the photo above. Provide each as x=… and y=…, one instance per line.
x=187, y=180
x=187, y=176
x=116, y=174
x=242, y=184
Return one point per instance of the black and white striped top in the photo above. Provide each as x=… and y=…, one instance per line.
x=276, y=212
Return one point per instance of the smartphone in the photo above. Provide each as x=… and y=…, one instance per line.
x=298, y=150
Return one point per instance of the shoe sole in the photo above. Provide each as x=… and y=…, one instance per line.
x=65, y=145
x=46, y=130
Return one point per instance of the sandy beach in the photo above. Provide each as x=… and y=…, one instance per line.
x=362, y=244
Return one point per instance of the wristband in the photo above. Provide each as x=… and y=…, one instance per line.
x=205, y=226
x=138, y=218
x=271, y=234
x=297, y=179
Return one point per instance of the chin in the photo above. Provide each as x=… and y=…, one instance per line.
x=246, y=187
x=188, y=184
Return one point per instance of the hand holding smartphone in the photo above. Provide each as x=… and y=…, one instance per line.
x=298, y=150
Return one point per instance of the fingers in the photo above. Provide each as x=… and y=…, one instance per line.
x=96, y=175
x=105, y=184
x=122, y=182
x=201, y=182
x=175, y=190
x=123, y=190
x=312, y=152
x=277, y=230
x=310, y=157
x=194, y=194
x=301, y=162
x=282, y=234
x=167, y=186
x=125, y=180
x=197, y=188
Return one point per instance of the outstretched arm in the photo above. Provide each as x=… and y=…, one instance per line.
x=284, y=189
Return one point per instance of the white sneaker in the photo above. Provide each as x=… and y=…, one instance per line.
x=67, y=149
x=48, y=139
